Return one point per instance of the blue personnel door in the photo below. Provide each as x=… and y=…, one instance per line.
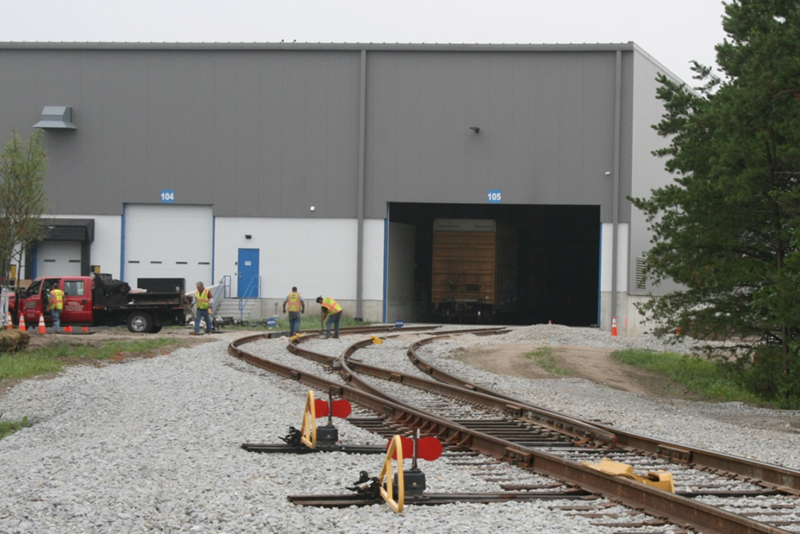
x=248, y=273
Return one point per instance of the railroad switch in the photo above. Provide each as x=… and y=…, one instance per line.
x=401, y=487
x=311, y=438
x=657, y=479
x=370, y=487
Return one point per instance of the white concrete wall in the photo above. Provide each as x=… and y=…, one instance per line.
x=606, y=249
x=316, y=255
x=107, y=245
x=606, y=256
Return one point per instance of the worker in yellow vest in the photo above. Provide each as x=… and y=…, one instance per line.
x=333, y=312
x=55, y=305
x=203, y=301
x=294, y=303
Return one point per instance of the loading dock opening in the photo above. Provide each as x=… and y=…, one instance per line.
x=556, y=276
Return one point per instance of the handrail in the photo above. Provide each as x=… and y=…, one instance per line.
x=244, y=300
x=225, y=282
x=224, y=292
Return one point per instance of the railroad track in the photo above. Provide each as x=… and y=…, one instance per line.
x=714, y=492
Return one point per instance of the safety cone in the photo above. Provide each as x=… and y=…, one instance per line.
x=22, y=327
x=67, y=329
x=85, y=329
x=9, y=322
x=42, y=328
x=614, y=326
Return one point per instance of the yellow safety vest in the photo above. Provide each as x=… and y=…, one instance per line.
x=293, y=302
x=202, y=299
x=331, y=305
x=57, y=300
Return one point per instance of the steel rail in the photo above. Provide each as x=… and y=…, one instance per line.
x=781, y=478
x=677, y=509
x=580, y=430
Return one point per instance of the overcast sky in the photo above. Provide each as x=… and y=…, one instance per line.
x=674, y=32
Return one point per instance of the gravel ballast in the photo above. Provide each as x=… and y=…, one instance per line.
x=153, y=445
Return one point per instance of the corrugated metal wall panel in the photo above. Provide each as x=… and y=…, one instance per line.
x=648, y=171
x=266, y=133
x=546, y=122
x=268, y=129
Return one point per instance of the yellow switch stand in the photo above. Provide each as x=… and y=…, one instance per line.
x=308, y=430
x=387, y=491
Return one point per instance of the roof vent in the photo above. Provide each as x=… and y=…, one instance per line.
x=56, y=117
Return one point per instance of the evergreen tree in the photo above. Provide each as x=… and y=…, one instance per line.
x=728, y=229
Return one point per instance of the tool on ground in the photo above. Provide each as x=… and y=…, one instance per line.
x=379, y=340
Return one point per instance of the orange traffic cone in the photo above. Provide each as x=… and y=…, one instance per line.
x=85, y=329
x=22, y=327
x=9, y=323
x=614, y=326
x=67, y=329
x=42, y=328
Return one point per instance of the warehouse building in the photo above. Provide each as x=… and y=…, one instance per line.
x=329, y=167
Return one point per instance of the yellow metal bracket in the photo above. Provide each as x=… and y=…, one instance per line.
x=376, y=340
x=657, y=479
x=396, y=445
x=308, y=431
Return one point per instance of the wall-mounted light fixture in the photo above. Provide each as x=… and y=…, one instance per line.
x=312, y=208
x=475, y=129
x=248, y=236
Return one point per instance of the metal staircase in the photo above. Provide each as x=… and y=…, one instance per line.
x=237, y=308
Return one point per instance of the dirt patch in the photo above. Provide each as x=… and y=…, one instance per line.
x=591, y=363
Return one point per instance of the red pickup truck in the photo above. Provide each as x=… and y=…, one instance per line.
x=101, y=301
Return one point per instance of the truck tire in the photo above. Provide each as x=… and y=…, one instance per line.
x=140, y=322
x=155, y=329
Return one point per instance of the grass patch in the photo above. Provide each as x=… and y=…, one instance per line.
x=44, y=360
x=9, y=427
x=715, y=381
x=544, y=358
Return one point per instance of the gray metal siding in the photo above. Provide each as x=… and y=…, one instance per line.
x=546, y=124
x=648, y=171
x=267, y=132
x=261, y=133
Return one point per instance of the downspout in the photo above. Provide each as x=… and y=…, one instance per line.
x=615, y=199
x=362, y=127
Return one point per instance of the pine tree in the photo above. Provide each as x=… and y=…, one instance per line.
x=728, y=229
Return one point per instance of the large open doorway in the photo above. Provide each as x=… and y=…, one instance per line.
x=554, y=275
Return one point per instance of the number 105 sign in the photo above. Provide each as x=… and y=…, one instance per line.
x=495, y=196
